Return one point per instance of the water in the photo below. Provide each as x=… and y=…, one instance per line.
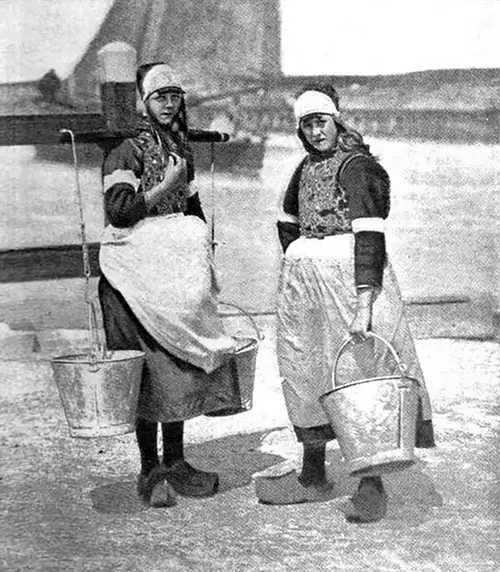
x=443, y=231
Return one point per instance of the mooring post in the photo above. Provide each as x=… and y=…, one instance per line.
x=117, y=65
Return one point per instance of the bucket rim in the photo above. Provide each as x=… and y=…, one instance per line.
x=368, y=380
x=86, y=358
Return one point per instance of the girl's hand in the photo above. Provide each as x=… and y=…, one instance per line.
x=175, y=171
x=360, y=325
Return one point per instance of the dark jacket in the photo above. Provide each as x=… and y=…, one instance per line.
x=367, y=188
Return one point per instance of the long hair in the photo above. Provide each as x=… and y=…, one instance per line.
x=348, y=139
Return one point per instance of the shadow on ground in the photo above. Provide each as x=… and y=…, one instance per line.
x=70, y=504
x=412, y=494
x=235, y=458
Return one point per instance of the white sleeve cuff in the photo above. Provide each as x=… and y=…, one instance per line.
x=285, y=217
x=121, y=176
x=372, y=224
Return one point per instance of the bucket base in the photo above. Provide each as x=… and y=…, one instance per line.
x=227, y=411
x=242, y=371
x=381, y=463
x=111, y=431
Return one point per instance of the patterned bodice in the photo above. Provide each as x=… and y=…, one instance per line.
x=323, y=205
x=155, y=160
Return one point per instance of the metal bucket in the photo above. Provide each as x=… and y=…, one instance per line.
x=245, y=360
x=99, y=390
x=374, y=419
x=243, y=367
x=99, y=396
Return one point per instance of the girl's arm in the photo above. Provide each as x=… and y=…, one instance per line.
x=367, y=186
x=288, y=223
x=124, y=204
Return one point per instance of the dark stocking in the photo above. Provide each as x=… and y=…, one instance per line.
x=173, y=445
x=313, y=464
x=182, y=477
x=147, y=435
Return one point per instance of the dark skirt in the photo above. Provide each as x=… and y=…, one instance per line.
x=171, y=389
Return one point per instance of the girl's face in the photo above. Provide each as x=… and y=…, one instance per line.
x=320, y=131
x=164, y=105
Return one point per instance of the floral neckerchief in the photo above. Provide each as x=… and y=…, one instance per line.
x=155, y=160
x=323, y=205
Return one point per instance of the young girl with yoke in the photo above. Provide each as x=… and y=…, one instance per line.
x=159, y=292
x=335, y=280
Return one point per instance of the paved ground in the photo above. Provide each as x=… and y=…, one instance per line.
x=69, y=504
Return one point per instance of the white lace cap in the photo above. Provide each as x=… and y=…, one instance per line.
x=159, y=77
x=311, y=102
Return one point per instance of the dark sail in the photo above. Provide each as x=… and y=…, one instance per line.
x=215, y=45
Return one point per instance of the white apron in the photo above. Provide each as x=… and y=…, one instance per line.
x=316, y=304
x=163, y=268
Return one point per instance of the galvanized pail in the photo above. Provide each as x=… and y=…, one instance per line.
x=245, y=360
x=374, y=419
x=243, y=368
x=99, y=396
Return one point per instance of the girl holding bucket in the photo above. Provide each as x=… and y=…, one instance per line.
x=159, y=292
x=335, y=280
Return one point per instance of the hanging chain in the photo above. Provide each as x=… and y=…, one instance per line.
x=212, y=185
x=91, y=311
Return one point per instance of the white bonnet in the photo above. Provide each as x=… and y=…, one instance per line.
x=159, y=77
x=311, y=102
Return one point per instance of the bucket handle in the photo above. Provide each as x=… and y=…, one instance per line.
x=350, y=340
x=260, y=335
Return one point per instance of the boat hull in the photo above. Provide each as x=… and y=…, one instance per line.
x=245, y=155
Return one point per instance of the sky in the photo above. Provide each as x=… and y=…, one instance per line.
x=369, y=37
x=338, y=37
